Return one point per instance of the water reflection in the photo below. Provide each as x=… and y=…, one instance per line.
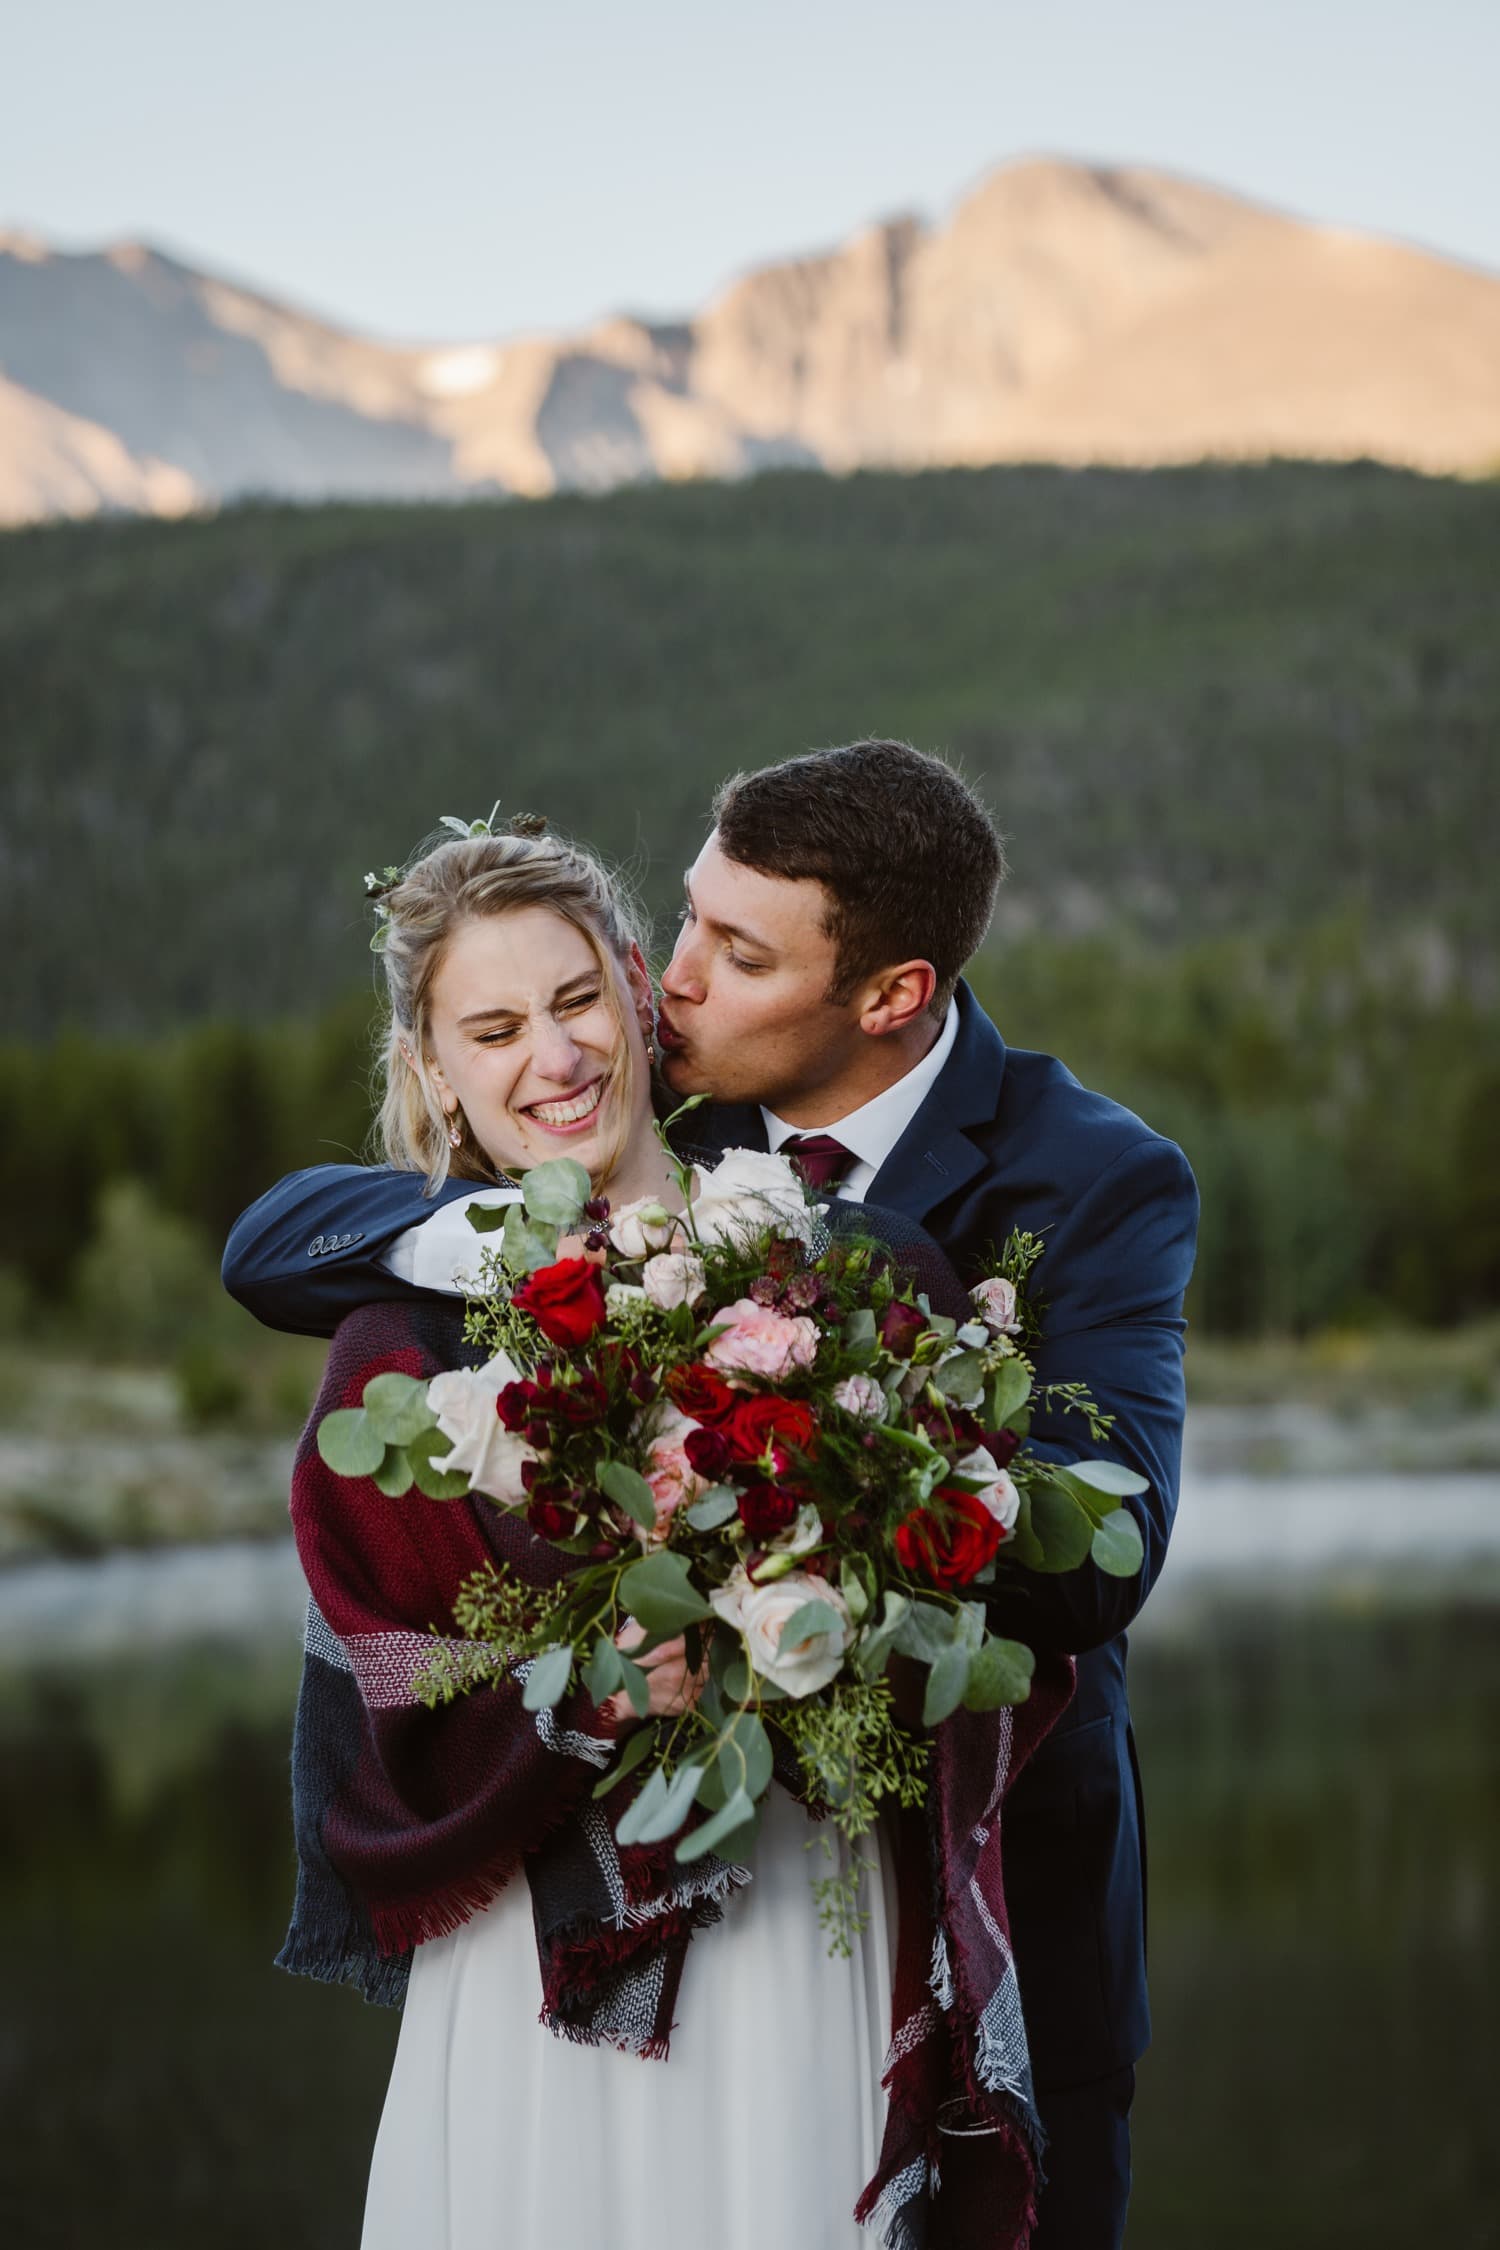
x=1325, y=1843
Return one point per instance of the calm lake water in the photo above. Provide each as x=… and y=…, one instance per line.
x=1317, y=1690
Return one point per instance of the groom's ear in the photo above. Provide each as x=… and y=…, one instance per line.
x=894, y=999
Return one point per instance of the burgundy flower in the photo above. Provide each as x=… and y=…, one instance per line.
x=764, y=1290
x=900, y=1326
x=766, y=1509
x=804, y=1292
x=517, y=1403
x=579, y=1403
x=551, y=1511
x=709, y=1453
x=1001, y=1445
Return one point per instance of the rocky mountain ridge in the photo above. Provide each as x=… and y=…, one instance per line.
x=1063, y=312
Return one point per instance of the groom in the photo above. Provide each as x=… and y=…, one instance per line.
x=814, y=993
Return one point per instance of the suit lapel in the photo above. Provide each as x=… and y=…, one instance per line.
x=935, y=1157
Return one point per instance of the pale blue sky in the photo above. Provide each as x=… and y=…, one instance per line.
x=455, y=170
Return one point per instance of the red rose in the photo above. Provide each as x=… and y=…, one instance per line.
x=951, y=1546
x=701, y=1393
x=766, y=1509
x=785, y=1424
x=566, y=1300
x=900, y=1326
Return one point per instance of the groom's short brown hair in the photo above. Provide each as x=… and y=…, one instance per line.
x=908, y=855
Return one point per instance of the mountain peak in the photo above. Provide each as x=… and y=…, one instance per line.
x=1065, y=310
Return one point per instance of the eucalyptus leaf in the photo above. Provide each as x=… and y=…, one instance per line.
x=547, y=1681
x=1010, y=1388
x=736, y=1813
x=487, y=1218
x=812, y=1622
x=636, y=1750
x=1108, y=1476
x=556, y=1192
x=637, y=1687
x=350, y=1443
x=513, y=1239
x=1062, y=1529
x=673, y=1810
x=961, y=1378
x=659, y=1593
x=855, y=1582
x=925, y=1631
x=715, y=1506
x=642, y=1808
x=999, y=1673
x=426, y=1453
x=946, y=1682
x=394, y=1476
x=629, y=1490
x=744, y=1755
x=397, y=1407
x=872, y=1650
x=1118, y=1547
x=604, y=1675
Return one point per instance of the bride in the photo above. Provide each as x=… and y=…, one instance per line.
x=519, y=1027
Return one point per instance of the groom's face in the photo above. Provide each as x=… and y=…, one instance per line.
x=745, y=1010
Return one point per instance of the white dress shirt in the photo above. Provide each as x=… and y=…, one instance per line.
x=442, y=1252
x=872, y=1131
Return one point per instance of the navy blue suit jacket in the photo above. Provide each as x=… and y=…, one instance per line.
x=1004, y=1139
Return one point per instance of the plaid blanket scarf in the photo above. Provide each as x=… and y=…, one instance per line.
x=408, y=1821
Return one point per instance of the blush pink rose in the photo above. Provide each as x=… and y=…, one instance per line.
x=758, y=1341
x=671, y=1475
x=995, y=1302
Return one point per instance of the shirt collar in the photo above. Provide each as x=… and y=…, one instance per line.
x=872, y=1131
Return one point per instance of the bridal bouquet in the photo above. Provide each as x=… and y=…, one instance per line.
x=739, y=1429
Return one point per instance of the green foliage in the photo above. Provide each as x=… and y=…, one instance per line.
x=147, y=1284
x=1236, y=724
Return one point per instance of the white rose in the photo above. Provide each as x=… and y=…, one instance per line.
x=484, y=1450
x=996, y=1492
x=747, y=1191
x=673, y=1277
x=622, y=1296
x=861, y=1396
x=759, y=1613
x=639, y=1228
x=995, y=1302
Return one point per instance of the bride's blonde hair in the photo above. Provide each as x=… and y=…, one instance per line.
x=465, y=879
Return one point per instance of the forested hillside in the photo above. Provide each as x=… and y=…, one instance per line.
x=1240, y=728
x=1199, y=701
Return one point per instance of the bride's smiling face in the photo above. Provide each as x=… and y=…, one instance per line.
x=527, y=1038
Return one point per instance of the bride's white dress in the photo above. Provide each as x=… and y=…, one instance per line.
x=760, y=2128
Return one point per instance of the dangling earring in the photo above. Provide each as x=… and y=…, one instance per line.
x=455, y=1130
x=651, y=1054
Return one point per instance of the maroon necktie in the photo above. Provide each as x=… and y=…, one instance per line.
x=820, y=1159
